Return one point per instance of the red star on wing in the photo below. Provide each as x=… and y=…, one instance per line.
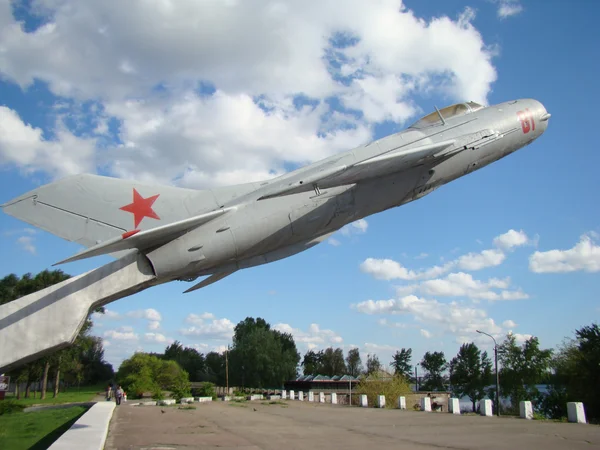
x=141, y=207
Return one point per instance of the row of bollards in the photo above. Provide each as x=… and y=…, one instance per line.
x=575, y=410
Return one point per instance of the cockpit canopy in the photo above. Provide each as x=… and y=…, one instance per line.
x=459, y=109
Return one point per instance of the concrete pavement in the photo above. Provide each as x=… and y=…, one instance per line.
x=303, y=425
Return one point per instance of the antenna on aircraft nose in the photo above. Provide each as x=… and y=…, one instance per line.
x=440, y=114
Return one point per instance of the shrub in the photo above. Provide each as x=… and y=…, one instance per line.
x=391, y=388
x=206, y=389
x=10, y=406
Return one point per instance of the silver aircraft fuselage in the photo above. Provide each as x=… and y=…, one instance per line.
x=262, y=231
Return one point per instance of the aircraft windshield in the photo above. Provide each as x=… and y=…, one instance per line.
x=448, y=112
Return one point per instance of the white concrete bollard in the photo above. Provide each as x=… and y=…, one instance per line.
x=301, y=396
x=311, y=396
x=485, y=407
x=291, y=395
x=575, y=412
x=526, y=410
x=321, y=397
x=426, y=404
x=401, y=402
x=283, y=394
x=454, y=406
x=333, y=398
x=381, y=401
x=363, y=401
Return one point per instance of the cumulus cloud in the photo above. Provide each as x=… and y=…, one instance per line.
x=462, y=284
x=313, y=338
x=149, y=314
x=450, y=318
x=154, y=325
x=121, y=335
x=26, y=242
x=157, y=338
x=25, y=147
x=585, y=256
x=425, y=333
x=388, y=269
x=508, y=8
x=358, y=227
x=218, y=86
x=206, y=326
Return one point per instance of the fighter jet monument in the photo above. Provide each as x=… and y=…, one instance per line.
x=162, y=233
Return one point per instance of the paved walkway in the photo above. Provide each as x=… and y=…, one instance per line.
x=302, y=425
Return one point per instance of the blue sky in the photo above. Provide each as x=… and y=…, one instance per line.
x=201, y=96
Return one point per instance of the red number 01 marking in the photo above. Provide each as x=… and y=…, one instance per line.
x=527, y=122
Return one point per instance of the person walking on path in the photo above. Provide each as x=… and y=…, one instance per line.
x=119, y=395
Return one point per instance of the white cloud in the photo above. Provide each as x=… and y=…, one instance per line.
x=481, y=260
x=509, y=324
x=26, y=242
x=585, y=255
x=125, y=329
x=464, y=285
x=24, y=146
x=157, y=338
x=206, y=326
x=247, y=50
x=109, y=314
x=425, y=333
x=452, y=318
x=121, y=335
x=149, y=314
x=511, y=239
x=313, y=338
x=422, y=255
x=153, y=325
x=507, y=8
x=334, y=242
x=388, y=269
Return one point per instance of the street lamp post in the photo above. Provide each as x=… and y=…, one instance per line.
x=497, y=375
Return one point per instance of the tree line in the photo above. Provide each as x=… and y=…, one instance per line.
x=81, y=363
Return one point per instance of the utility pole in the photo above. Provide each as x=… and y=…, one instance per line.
x=497, y=374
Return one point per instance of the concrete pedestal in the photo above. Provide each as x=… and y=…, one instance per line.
x=321, y=397
x=485, y=407
x=333, y=398
x=283, y=394
x=575, y=412
x=311, y=396
x=526, y=410
x=301, y=396
x=363, y=401
x=426, y=404
x=381, y=401
x=401, y=402
x=291, y=395
x=185, y=400
x=454, y=406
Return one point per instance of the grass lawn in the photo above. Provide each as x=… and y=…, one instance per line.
x=37, y=429
x=83, y=394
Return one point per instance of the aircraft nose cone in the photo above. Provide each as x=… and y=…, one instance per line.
x=542, y=115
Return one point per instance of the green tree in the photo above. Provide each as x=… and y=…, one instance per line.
x=522, y=368
x=147, y=373
x=190, y=359
x=434, y=365
x=311, y=363
x=332, y=362
x=470, y=371
x=401, y=362
x=373, y=364
x=262, y=357
x=577, y=375
x=215, y=368
x=353, y=362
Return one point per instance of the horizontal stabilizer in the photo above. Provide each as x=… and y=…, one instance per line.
x=210, y=280
x=148, y=238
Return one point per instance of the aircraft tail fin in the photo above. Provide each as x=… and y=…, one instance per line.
x=90, y=209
